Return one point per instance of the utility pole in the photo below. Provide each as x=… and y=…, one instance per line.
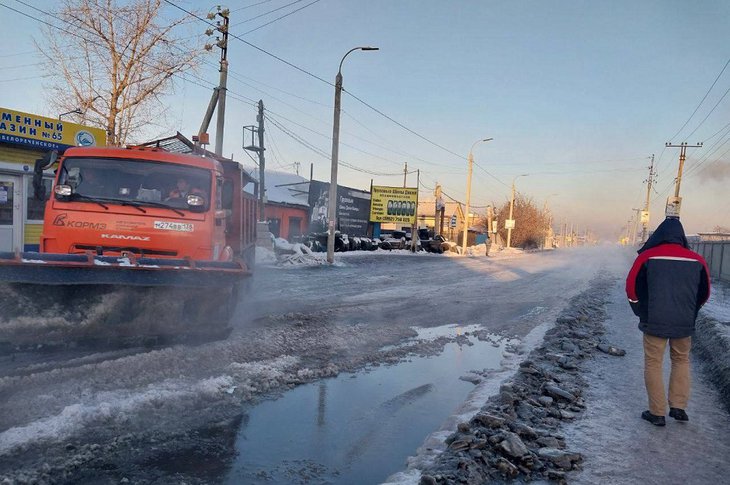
x=259, y=149
x=405, y=174
x=649, y=183
x=438, y=223
x=414, y=227
x=219, y=92
x=262, y=161
x=636, y=225
x=465, y=233
x=570, y=236
x=674, y=203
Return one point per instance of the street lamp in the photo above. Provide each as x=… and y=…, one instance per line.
x=511, y=207
x=76, y=111
x=332, y=205
x=470, y=159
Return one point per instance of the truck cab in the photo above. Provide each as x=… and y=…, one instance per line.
x=146, y=202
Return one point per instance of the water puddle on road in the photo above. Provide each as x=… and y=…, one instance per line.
x=358, y=428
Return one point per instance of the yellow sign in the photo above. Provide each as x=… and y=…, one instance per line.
x=393, y=204
x=44, y=133
x=645, y=217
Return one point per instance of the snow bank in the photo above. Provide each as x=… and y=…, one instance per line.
x=265, y=256
x=111, y=407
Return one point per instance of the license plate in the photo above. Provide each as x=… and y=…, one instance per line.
x=173, y=226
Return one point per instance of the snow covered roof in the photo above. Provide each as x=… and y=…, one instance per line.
x=428, y=208
x=284, y=187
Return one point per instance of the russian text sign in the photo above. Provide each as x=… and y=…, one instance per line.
x=394, y=204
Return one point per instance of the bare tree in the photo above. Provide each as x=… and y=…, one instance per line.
x=114, y=61
x=530, y=223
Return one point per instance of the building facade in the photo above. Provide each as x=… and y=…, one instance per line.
x=24, y=138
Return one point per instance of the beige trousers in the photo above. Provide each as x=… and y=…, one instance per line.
x=679, y=380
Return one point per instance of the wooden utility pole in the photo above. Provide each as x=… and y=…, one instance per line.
x=682, y=156
x=675, y=202
x=405, y=174
x=649, y=182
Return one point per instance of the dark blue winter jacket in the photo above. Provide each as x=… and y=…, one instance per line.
x=668, y=283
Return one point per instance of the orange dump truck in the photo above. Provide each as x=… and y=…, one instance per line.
x=143, y=218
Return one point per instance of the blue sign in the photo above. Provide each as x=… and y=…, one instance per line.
x=453, y=221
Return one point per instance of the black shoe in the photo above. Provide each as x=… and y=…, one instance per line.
x=678, y=414
x=655, y=420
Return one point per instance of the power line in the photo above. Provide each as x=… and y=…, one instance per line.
x=249, y=6
x=266, y=13
x=328, y=137
x=294, y=66
x=28, y=78
x=282, y=17
x=264, y=51
x=700, y=103
x=323, y=154
x=708, y=114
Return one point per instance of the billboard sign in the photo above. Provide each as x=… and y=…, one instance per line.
x=674, y=205
x=645, y=217
x=394, y=204
x=352, y=209
x=43, y=133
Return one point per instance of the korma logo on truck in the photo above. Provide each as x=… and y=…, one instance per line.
x=63, y=221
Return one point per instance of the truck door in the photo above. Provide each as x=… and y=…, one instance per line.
x=10, y=215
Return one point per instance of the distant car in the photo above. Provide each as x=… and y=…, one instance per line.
x=393, y=240
x=438, y=244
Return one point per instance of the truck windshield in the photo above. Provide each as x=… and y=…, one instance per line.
x=135, y=181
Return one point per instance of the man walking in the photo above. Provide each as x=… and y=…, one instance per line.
x=666, y=287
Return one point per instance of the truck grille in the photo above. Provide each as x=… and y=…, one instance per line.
x=105, y=250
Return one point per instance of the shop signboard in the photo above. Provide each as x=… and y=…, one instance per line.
x=674, y=205
x=42, y=133
x=394, y=204
x=645, y=217
x=352, y=209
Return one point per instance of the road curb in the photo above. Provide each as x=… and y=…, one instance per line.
x=517, y=434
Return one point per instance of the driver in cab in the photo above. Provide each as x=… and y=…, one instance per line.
x=183, y=189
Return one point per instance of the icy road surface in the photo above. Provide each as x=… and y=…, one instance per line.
x=179, y=413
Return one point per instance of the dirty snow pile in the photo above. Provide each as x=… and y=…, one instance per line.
x=265, y=256
x=296, y=254
x=517, y=434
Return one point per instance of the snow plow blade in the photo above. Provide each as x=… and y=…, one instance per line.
x=61, y=300
x=90, y=269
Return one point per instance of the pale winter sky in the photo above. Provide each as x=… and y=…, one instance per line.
x=577, y=94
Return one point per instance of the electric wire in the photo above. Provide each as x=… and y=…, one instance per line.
x=708, y=114
x=266, y=13
x=700, y=103
x=249, y=6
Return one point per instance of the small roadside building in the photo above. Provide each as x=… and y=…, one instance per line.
x=24, y=138
x=287, y=204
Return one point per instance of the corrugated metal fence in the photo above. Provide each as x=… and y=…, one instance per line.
x=717, y=255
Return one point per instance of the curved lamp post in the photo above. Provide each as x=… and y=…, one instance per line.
x=470, y=158
x=332, y=204
x=511, y=207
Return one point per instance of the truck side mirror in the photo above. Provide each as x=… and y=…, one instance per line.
x=42, y=164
